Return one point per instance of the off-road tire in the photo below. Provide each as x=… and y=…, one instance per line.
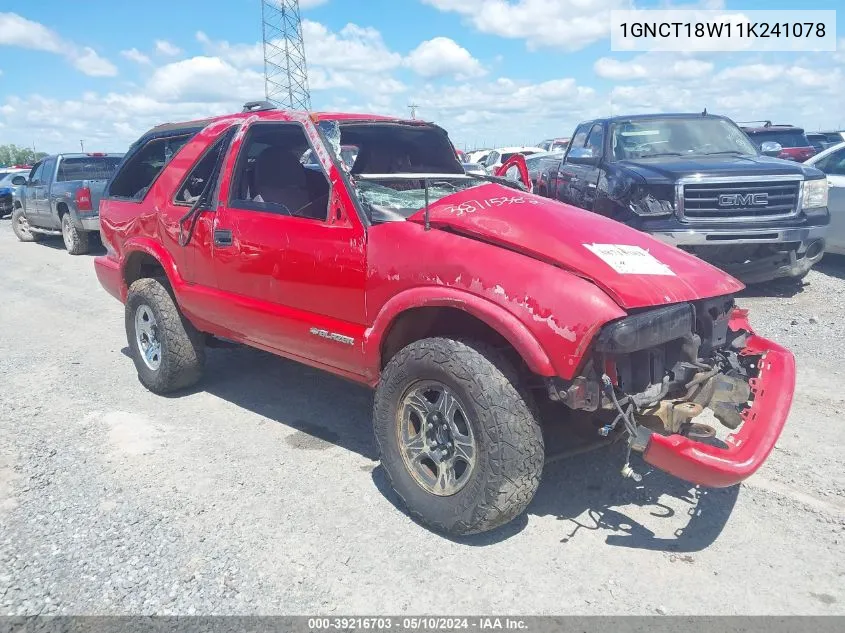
x=76, y=241
x=182, y=345
x=21, y=229
x=504, y=421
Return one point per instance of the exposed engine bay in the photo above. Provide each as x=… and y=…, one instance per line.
x=656, y=371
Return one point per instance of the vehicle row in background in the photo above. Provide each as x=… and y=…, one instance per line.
x=60, y=196
x=8, y=187
x=832, y=162
x=780, y=141
x=696, y=181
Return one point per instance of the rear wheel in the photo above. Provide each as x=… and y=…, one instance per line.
x=168, y=351
x=21, y=228
x=459, y=440
x=76, y=241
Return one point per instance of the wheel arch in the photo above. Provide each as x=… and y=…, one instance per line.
x=424, y=312
x=146, y=259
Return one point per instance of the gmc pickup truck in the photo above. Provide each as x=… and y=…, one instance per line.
x=465, y=302
x=696, y=181
x=61, y=196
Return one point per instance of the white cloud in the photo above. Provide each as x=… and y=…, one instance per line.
x=88, y=62
x=441, y=57
x=563, y=24
x=352, y=48
x=204, y=80
x=354, y=58
x=163, y=47
x=133, y=54
x=18, y=31
x=651, y=66
x=310, y=4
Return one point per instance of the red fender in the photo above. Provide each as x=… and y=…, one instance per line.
x=502, y=321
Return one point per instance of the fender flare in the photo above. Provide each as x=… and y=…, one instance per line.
x=499, y=319
x=155, y=250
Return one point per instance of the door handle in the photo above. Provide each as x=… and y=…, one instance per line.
x=222, y=237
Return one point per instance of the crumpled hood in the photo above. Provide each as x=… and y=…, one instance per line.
x=635, y=269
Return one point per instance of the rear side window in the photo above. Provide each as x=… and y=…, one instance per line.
x=204, y=174
x=786, y=138
x=87, y=168
x=143, y=166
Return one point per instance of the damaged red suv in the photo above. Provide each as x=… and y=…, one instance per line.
x=465, y=303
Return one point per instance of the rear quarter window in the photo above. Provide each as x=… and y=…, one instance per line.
x=143, y=165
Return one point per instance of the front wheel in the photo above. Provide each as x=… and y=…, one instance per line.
x=459, y=440
x=21, y=228
x=168, y=351
x=76, y=241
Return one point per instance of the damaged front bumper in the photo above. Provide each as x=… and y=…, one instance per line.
x=746, y=450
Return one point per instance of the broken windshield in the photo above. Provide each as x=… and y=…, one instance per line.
x=398, y=199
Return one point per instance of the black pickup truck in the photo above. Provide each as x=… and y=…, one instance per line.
x=696, y=181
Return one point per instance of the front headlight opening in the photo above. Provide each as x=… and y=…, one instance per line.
x=815, y=194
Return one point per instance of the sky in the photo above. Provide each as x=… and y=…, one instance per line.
x=492, y=72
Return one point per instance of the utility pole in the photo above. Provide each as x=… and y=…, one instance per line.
x=82, y=145
x=285, y=70
x=413, y=107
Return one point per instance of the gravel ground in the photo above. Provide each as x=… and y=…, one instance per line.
x=259, y=493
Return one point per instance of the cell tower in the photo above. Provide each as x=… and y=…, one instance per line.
x=285, y=72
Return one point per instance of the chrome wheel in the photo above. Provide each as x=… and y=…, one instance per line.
x=66, y=231
x=23, y=224
x=435, y=438
x=146, y=337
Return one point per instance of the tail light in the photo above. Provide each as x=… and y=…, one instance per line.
x=83, y=199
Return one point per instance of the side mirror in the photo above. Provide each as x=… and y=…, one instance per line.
x=770, y=148
x=17, y=181
x=582, y=156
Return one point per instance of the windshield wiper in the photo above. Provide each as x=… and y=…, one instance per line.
x=661, y=154
x=727, y=151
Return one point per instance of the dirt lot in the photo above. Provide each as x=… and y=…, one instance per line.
x=260, y=492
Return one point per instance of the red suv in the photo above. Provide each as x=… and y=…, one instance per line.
x=781, y=141
x=465, y=302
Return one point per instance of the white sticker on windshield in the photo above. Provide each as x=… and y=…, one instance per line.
x=629, y=260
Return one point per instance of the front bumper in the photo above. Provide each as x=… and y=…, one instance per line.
x=763, y=421
x=802, y=248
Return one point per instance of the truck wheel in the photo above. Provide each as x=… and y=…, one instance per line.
x=20, y=225
x=459, y=440
x=76, y=241
x=168, y=351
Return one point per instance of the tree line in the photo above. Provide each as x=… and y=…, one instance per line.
x=14, y=155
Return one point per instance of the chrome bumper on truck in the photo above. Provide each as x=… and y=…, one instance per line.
x=763, y=421
x=781, y=252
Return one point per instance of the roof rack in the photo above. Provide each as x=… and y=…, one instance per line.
x=764, y=122
x=258, y=106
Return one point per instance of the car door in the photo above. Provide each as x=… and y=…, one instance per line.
x=833, y=166
x=565, y=187
x=34, y=193
x=289, y=250
x=586, y=171
x=46, y=217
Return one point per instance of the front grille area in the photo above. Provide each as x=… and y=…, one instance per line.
x=753, y=199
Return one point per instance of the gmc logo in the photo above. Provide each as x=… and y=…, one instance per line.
x=744, y=199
